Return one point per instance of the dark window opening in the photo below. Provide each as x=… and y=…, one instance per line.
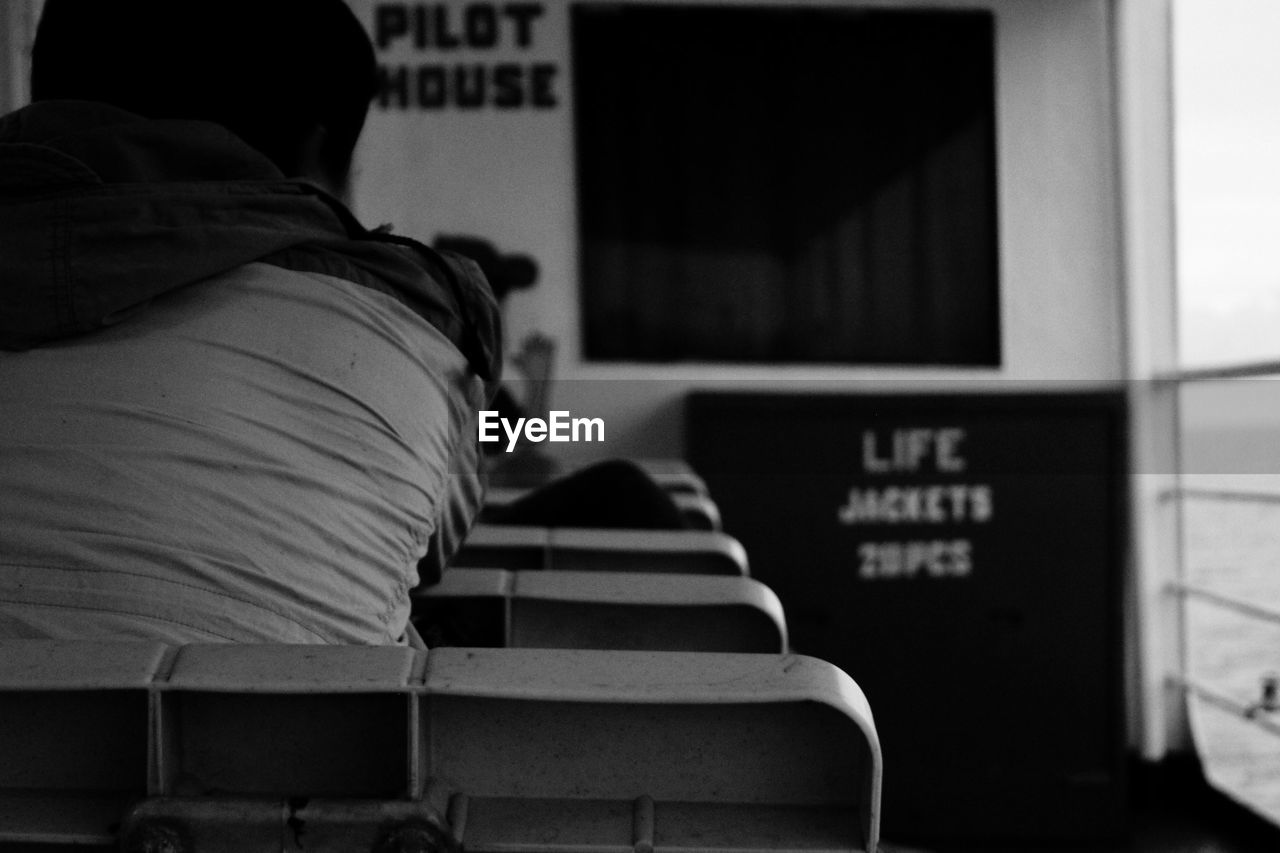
x=786, y=185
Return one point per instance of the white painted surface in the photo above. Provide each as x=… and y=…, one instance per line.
x=510, y=175
x=17, y=32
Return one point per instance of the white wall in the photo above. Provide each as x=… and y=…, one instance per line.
x=510, y=175
x=17, y=31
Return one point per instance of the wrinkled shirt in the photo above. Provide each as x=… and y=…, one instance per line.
x=263, y=457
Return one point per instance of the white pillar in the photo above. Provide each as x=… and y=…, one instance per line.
x=17, y=31
x=1144, y=80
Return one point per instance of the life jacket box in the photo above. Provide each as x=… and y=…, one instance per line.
x=960, y=555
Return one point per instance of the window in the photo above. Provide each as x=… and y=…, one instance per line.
x=786, y=185
x=1227, y=179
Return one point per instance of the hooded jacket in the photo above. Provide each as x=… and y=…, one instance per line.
x=102, y=210
x=231, y=412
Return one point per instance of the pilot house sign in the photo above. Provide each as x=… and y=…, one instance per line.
x=476, y=56
x=955, y=502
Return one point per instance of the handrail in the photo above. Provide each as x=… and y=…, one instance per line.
x=1228, y=602
x=1242, y=370
x=1244, y=495
x=1225, y=702
x=1257, y=712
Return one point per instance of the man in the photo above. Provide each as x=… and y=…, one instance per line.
x=230, y=413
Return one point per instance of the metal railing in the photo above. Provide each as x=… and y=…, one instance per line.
x=1251, y=712
x=1227, y=602
x=1258, y=712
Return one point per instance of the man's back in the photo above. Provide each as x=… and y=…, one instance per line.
x=263, y=453
x=218, y=468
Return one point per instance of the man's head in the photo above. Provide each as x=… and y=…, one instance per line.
x=293, y=78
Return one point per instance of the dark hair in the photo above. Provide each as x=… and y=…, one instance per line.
x=267, y=70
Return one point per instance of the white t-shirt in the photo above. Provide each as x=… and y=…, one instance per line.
x=262, y=456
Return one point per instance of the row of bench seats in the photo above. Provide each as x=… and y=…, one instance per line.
x=256, y=748
x=549, y=743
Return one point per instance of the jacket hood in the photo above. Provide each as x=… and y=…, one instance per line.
x=101, y=210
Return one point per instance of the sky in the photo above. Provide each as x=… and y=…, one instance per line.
x=1227, y=144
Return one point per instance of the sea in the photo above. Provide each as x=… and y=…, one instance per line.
x=1232, y=547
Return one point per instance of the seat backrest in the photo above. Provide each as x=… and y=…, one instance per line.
x=674, y=475
x=238, y=746
x=601, y=610
x=698, y=510
x=690, y=552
